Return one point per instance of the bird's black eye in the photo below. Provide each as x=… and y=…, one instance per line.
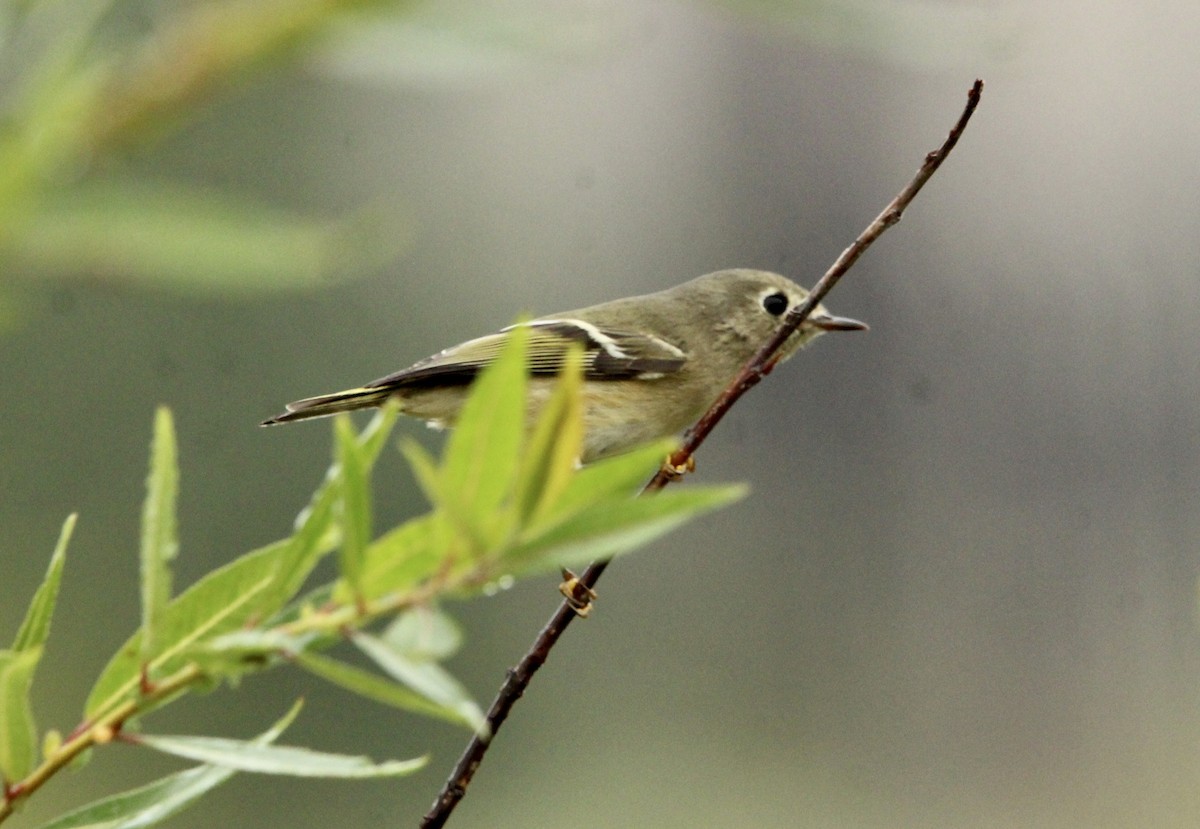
x=775, y=304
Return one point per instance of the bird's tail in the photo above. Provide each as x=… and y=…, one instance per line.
x=329, y=404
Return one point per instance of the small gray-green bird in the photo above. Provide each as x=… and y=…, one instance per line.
x=652, y=364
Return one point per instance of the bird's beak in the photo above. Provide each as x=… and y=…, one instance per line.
x=828, y=323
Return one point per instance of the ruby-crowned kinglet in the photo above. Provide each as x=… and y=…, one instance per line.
x=652, y=364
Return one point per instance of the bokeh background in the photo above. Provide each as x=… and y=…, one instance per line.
x=963, y=593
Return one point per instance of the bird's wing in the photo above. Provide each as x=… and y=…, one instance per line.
x=607, y=355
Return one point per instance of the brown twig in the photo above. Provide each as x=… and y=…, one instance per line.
x=751, y=374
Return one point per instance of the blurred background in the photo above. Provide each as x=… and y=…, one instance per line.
x=963, y=592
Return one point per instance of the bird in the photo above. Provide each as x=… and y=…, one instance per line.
x=652, y=364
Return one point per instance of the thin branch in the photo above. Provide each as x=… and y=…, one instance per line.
x=751, y=374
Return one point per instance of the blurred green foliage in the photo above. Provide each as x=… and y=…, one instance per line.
x=86, y=83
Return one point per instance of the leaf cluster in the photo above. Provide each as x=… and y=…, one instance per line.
x=508, y=500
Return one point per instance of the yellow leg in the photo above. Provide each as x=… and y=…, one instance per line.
x=577, y=594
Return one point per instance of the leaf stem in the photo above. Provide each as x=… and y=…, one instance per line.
x=98, y=732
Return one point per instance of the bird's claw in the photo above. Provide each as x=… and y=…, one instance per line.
x=673, y=471
x=578, y=595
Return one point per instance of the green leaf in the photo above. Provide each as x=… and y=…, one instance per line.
x=372, y=439
x=481, y=457
x=250, y=588
x=195, y=241
x=241, y=651
x=404, y=557
x=355, y=503
x=18, y=735
x=552, y=455
x=226, y=599
x=314, y=537
x=425, y=470
x=612, y=528
x=302, y=605
x=154, y=803
x=263, y=759
x=428, y=679
x=375, y=434
x=160, y=536
x=424, y=633
x=619, y=477
x=257, y=641
x=36, y=626
x=377, y=688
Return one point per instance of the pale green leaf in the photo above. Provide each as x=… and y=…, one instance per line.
x=355, y=503
x=429, y=679
x=146, y=805
x=257, y=641
x=18, y=734
x=314, y=537
x=613, y=528
x=619, y=477
x=250, y=588
x=556, y=444
x=374, y=435
x=295, y=761
x=481, y=457
x=302, y=605
x=375, y=687
x=160, y=536
x=425, y=632
x=425, y=470
x=404, y=557
x=235, y=653
x=195, y=241
x=154, y=803
x=36, y=625
x=224, y=600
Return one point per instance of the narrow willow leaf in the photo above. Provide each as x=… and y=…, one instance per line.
x=242, y=651
x=372, y=439
x=147, y=805
x=193, y=241
x=258, y=641
x=424, y=633
x=375, y=687
x=154, y=803
x=287, y=760
x=355, y=502
x=405, y=557
x=312, y=540
x=224, y=602
x=552, y=454
x=425, y=470
x=18, y=735
x=250, y=588
x=613, y=528
x=429, y=679
x=302, y=605
x=480, y=462
x=374, y=435
x=618, y=477
x=160, y=538
x=36, y=626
